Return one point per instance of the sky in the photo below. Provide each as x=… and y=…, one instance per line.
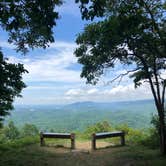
x=54, y=73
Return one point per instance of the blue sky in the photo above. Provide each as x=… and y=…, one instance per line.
x=54, y=74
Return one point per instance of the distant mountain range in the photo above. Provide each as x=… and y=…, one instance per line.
x=114, y=105
x=77, y=116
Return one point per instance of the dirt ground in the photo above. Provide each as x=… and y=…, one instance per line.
x=58, y=155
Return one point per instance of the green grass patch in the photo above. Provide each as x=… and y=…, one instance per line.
x=34, y=155
x=18, y=143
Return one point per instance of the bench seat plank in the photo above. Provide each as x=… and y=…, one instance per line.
x=108, y=134
x=56, y=135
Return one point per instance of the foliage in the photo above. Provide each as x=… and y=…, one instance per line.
x=2, y=136
x=29, y=23
x=96, y=128
x=123, y=36
x=136, y=136
x=11, y=85
x=99, y=127
x=152, y=140
x=29, y=130
x=148, y=137
x=11, y=132
x=11, y=136
x=18, y=143
x=123, y=127
x=155, y=122
x=132, y=136
x=28, y=140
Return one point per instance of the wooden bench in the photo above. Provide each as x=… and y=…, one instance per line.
x=58, y=135
x=96, y=136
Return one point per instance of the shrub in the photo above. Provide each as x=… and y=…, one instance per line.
x=123, y=127
x=29, y=130
x=136, y=136
x=11, y=132
x=20, y=142
x=133, y=136
x=98, y=127
x=2, y=137
x=152, y=139
x=24, y=141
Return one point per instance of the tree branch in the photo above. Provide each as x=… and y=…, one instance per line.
x=120, y=76
x=153, y=20
x=149, y=77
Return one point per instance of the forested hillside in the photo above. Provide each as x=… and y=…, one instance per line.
x=78, y=116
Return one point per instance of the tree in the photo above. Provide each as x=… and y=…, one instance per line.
x=29, y=25
x=11, y=85
x=11, y=132
x=29, y=130
x=131, y=33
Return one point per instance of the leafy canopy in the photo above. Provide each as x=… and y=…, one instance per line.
x=11, y=84
x=130, y=32
x=29, y=23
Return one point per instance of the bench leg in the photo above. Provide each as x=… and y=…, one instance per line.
x=93, y=142
x=41, y=139
x=123, y=140
x=72, y=141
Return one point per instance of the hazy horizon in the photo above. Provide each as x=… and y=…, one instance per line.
x=88, y=101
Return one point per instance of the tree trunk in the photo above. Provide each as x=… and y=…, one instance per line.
x=162, y=133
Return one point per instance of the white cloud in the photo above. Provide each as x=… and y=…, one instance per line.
x=120, y=89
x=58, y=45
x=5, y=44
x=62, y=44
x=92, y=91
x=53, y=66
x=48, y=95
x=75, y=92
x=119, y=93
x=81, y=92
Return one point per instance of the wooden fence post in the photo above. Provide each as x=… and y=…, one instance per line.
x=72, y=141
x=93, y=142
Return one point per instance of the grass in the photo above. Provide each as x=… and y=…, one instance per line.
x=29, y=153
x=19, y=143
